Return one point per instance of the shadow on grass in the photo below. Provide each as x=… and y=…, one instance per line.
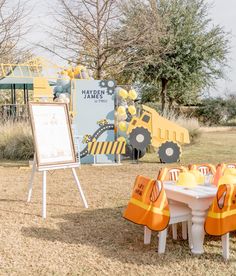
x=33, y=202
x=105, y=230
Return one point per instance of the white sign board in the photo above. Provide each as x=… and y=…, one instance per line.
x=52, y=133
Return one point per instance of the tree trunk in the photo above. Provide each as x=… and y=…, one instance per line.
x=163, y=94
x=170, y=103
x=98, y=29
x=99, y=71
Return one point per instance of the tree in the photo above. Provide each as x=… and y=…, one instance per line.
x=82, y=34
x=11, y=29
x=136, y=37
x=189, y=51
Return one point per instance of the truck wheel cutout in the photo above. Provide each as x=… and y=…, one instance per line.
x=169, y=152
x=140, y=138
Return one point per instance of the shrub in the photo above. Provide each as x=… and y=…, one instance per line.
x=191, y=124
x=16, y=142
x=212, y=111
x=231, y=109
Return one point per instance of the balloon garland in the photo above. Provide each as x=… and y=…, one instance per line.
x=63, y=84
x=125, y=108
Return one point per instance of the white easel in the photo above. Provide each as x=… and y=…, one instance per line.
x=44, y=170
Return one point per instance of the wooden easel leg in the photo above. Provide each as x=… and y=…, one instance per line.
x=31, y=180
x=79, y=187
x=44, y=194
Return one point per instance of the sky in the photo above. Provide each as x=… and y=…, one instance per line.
x=222, y=12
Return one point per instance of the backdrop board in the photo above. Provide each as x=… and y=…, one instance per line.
x=54, y=147
x=52, y=134
x=94, y=115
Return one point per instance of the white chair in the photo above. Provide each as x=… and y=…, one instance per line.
x=231, y=166
x=204, y=170
x=178, y=213
x=174, y=176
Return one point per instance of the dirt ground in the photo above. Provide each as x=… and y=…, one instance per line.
x=96, y=241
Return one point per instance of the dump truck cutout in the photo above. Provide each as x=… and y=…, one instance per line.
x=152, y=128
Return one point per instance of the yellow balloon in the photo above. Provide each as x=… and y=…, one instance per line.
x=122, y=126
x=71, y=75
x=187, y=179
x=230, y=171
x=227, y=179
x=133, y=94
x=132, y=110
x=123, y=93
x=69, y=71
x=64, y=72
x=77, y=69
x=199, y=177
x=121, y=110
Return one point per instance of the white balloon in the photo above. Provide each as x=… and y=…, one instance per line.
x=122, y=117
x=62, y=96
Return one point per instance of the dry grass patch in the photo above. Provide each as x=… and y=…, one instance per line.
x=16, y=142
x=98, y=241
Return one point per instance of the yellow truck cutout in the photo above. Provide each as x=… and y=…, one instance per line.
x=152, y=128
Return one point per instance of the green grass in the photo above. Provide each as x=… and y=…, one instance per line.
x=213, y=147
x=14, y=163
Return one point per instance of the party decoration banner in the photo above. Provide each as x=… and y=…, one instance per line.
x=94, y=115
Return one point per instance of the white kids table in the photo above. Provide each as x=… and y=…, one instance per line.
x=199, y=200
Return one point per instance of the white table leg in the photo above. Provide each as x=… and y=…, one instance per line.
x=79, y=187
x=44, y=194
x=198, y=232
x=31, y=180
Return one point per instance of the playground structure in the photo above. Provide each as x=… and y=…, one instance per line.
x=34, y=78
x=40, y=76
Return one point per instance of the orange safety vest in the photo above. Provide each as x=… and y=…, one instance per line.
x=148, y=205
x=220, y=171
x=221, y=217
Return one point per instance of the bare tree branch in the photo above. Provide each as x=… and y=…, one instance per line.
x=12, y=19
x=83, y=32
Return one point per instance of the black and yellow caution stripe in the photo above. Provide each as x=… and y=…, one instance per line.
x=108, y=147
